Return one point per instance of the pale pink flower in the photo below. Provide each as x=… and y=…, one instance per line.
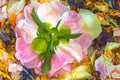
x=50, y=12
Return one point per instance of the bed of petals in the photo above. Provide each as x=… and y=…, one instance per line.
x=94, y=55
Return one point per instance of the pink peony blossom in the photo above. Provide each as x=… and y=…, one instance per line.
x=65, y=54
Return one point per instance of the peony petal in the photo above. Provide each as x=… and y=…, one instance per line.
x=65, y=55
x=74, y=49
x=28, y=10
x=51, y=11
x=85, y=40
x=27, y=31
x=90, y=23
x=25, y=54
x=104, y=65
x=73, y=20
x=59, y=60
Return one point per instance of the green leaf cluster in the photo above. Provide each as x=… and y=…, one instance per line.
x=47, y=40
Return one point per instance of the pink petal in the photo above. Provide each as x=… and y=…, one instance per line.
x=31, y=64
x=20, y=16
x=25, y=54
x=85, y=40
x=26, y=31
x=28, y=10
x=65, y=55
x=73, y=49
x=51, y=11
x=59, y=60
x=73, y=20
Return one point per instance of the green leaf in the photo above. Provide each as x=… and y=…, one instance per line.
x=46, y=66
x=39, y=45
x=58, y=23
x=42, y=56
x=37, y=20
x=69, y=36
x=64, y=30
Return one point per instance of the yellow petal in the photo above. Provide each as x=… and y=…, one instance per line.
x=5, y=75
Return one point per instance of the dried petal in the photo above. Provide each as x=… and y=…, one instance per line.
x=104, y=65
